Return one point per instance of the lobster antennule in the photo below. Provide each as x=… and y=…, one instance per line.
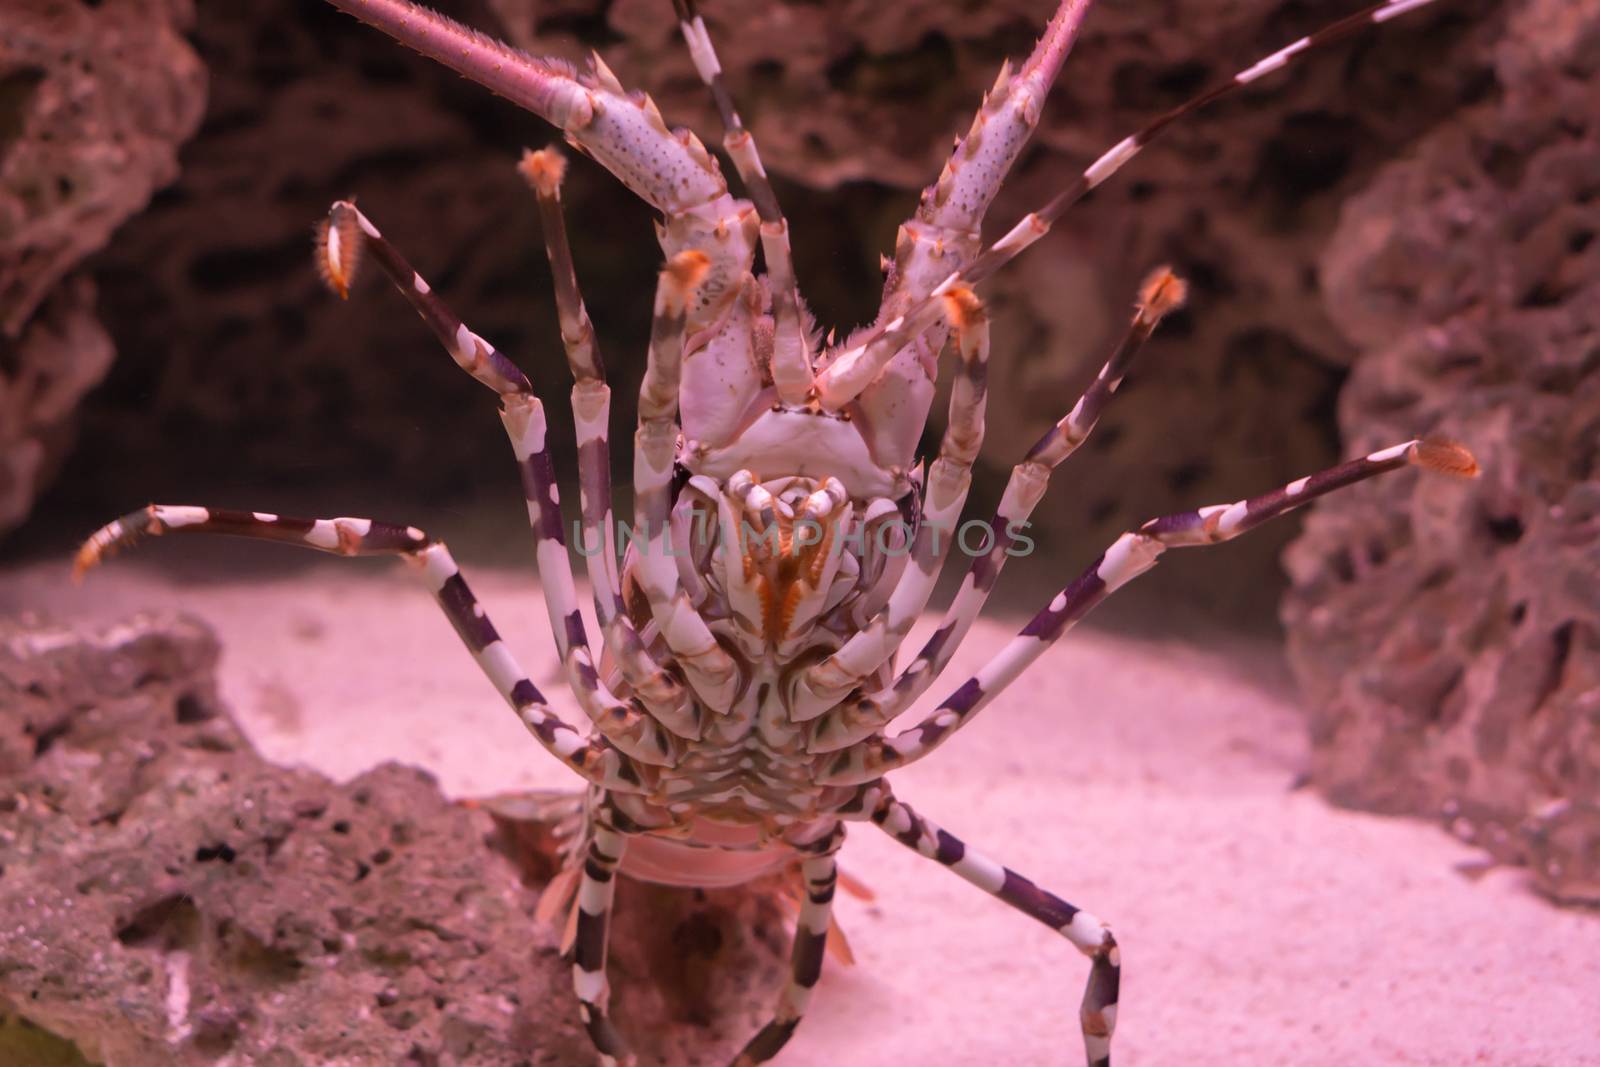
x=791, y=366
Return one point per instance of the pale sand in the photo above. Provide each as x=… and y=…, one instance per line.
x=1145, y=780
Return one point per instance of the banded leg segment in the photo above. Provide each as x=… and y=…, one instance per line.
x=712, y=673
x=1130, y=556
x=858, y=365
x=737, y=139
x=821, y=686
x=343, y=239
x=596, y=892
x=627, y=723
x=821, y=876
x=596, y=889
x=861, y=715
x=668, y=700
x=595, y=760
x=1097, y=1014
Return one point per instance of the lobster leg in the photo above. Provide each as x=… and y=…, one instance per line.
x=668, y=700
x=821, y=874
x=625, y=722
x=1098, y=1013
x=711, y=671
x=791, y=355
x=596, y=888
x=858, y=716
x=1130, y=556
x=596, y=760
x=865, y=356
x=821, y=686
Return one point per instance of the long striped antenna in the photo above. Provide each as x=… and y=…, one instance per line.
x=853, y=369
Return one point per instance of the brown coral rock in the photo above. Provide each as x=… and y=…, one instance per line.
x=62, y=353
x=1450, y=641
x=94, y=101
x=232, y=349
x=168, y=897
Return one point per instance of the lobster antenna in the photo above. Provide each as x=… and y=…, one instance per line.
x=856, y=367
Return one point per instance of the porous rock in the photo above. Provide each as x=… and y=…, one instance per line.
x=1449, y=638
x=168, y=897
x=95, y=100
x=62, y=352
x=229, y=342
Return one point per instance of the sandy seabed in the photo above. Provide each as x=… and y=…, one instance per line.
x=1149, y=781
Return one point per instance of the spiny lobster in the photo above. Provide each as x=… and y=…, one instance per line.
x=787, y=537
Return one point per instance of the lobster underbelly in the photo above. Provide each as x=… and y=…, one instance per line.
x=714, y=855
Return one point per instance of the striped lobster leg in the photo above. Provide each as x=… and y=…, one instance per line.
x=867, y=354
x=791, y=354
x=712, y=673
x=608, y=841
x=821, y=875
x=596, y=887
x=821, y=686
x=666, y=698
x=626, y=723
x=1098, y=1012
x=858, y=716
x=596, y=760
x=1130, y=556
